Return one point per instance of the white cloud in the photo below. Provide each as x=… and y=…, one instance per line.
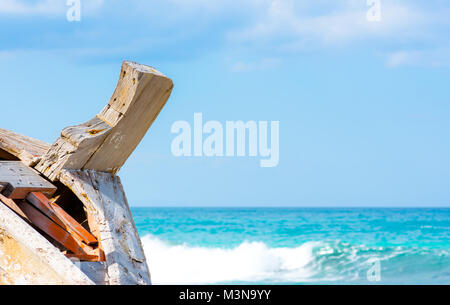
x=402, y=58
x=47, y=7
x=289, y=25
x=70, y=53
x=44, y=7
x=296, y=22
x=269, y=28
x=438, y=58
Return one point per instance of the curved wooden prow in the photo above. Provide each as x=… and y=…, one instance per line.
x=105, y=142
x=85, y=159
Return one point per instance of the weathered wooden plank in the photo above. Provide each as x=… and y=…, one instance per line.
x=27, y=149
x=104, y=198
x=28, y=258
x=19, y=180
x=140, y=95
x=73, y=226
x=105, y=142
x=60, y=217
x=32, y=216
x=13, y=206
x=4, y=155
x=96, y=271
x=52, y=229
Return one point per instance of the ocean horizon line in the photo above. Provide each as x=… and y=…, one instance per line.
x=291, y=207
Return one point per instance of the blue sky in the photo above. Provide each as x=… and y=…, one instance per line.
x=364, y=107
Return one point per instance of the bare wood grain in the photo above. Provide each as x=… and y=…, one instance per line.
x=27, y=149
x=105, y=142
x=104, y=198
x=19, y=180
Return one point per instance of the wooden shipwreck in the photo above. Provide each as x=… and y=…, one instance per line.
x=64, y=216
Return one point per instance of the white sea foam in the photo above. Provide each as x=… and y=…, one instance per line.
x=248, y=262
x=255, y=262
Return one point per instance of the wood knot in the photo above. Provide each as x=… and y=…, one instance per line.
x=95, y=131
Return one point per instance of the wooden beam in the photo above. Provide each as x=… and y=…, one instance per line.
x=60, y=217
x=50, y=228
x=19, y=180
x=26, y=149
x=13, y=206
x=67, y=238
x=105, y=142
x=29, y=258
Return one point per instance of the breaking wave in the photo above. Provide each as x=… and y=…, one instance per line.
x=311, y=262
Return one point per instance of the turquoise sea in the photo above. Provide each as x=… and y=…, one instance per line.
x=296, y=245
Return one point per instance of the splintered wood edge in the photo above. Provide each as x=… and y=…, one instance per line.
x=29, y=150
x=143, y=68
x=103, y=196
x=105, y=142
